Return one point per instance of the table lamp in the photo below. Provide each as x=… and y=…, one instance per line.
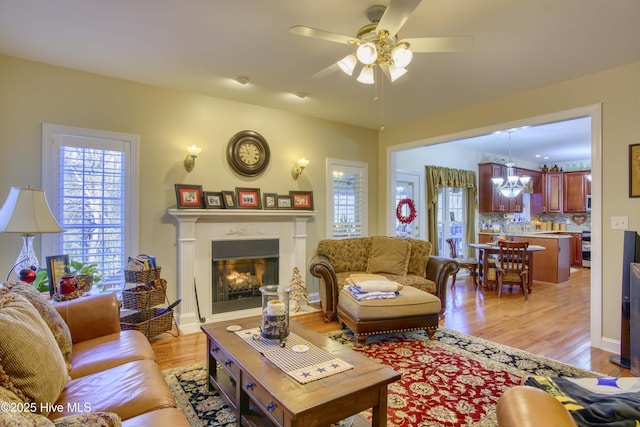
x=27, y=212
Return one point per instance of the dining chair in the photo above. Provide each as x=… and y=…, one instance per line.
x=512, y=267
x=470, y=264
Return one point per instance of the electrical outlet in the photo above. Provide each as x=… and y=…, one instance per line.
x=619, y=222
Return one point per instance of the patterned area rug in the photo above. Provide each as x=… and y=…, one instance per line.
x=453, y=381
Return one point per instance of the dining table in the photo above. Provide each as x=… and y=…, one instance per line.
x=487, y=251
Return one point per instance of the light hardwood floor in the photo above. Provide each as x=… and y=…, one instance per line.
x=554, y=323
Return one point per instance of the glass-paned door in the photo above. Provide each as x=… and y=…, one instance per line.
x=451, y=219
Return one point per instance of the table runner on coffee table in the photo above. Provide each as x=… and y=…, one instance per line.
x=304, y=367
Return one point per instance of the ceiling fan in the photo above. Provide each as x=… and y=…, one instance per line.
x=378, y=43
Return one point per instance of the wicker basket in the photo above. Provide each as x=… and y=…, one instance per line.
x=142, y=276
x=142, y=299
x=145, y=322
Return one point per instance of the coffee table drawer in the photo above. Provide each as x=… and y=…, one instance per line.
x=263, y=398
x=224, y=359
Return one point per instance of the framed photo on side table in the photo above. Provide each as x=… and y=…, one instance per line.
x=270, y=201
x=634, y=170
x=248, y=198
x=229, y=199
x=284, y=202
x=212, y=199
x=302, y=199
x=189, y=196
x=56, y=268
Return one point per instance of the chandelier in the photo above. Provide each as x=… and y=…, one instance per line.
x=514, y=184
x=377, y=49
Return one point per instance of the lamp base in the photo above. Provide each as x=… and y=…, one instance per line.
x=27, y=256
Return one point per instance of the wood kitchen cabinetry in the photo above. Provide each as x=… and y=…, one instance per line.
x=552, y=192
x=576, y=188
x=576, y=249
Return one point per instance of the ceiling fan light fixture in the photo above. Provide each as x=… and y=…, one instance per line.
x=367, y=53
x=348, y=64
x=366, y=75
x=401, y=55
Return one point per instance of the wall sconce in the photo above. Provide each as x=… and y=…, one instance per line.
x=190, y=160
x=298, y=167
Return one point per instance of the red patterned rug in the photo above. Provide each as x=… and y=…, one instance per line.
x=455, y=380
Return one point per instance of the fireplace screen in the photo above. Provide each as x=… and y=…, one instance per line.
x=239, y=268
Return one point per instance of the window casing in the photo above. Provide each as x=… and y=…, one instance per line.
x=346, y=199
x=91, y=181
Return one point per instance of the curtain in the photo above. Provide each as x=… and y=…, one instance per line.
x=437, y=177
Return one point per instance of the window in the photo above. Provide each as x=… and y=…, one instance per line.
x=346, y=199
x=90, y=178
x=451, y=219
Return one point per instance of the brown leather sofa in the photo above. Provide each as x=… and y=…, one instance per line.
x=336, y=260
x=112, y=371
x=526, y=406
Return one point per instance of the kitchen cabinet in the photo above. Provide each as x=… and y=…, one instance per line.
x=489, y=200
x=576, y=249
x=576, y=188
x=552, y=192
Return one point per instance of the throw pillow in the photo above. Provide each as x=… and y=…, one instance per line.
x=389, y=255
x=49, y=314
x=29, y=354
x=420, y=252
x=102, y=419
x=17, y=413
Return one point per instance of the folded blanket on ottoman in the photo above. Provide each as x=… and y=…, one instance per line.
x=611, y=402
x=373, y=283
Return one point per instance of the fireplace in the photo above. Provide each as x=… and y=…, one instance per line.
x=239, y=268
x=198, y=228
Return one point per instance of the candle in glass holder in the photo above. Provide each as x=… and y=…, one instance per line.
x=275, y=308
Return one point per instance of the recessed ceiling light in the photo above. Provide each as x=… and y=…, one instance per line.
x=538, y=156
x=243, y=80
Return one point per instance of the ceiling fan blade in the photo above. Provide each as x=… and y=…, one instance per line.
x=301, y=30
x=440, y=44
x=396, y=15
x=326, y=71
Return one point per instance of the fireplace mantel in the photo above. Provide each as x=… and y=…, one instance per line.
x=196, y=229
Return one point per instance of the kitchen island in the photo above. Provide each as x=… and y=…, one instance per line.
x=552, y=265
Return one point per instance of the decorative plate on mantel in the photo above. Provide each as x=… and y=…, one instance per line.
x=579, y=219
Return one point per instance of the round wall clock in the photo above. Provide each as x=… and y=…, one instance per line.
x=248, y=153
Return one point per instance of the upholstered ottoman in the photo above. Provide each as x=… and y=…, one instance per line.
x=412, y=309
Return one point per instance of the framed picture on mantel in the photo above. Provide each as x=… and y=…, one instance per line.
x=634, y=170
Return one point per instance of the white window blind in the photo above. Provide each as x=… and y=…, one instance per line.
x=90, y=194
x=348, y=189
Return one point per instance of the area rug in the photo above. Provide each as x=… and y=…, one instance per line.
x=455, y=380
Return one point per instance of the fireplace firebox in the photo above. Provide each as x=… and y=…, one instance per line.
x=239, y=269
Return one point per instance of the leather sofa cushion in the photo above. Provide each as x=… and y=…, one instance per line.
x=410, y=302
x=128, y=390
x=162, y=417
x=109, y=351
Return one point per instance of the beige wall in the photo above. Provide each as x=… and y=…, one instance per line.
x=167, y=121
x=618, y=90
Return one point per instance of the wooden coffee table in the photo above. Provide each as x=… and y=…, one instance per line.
x=261, y=394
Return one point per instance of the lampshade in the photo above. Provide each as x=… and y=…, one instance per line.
x=367, y=53
x=401, y=55
x=348, y=64
x=26, y=211
x=366, y=75
x=396, y=72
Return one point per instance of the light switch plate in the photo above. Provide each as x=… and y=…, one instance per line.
x=619, y=222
